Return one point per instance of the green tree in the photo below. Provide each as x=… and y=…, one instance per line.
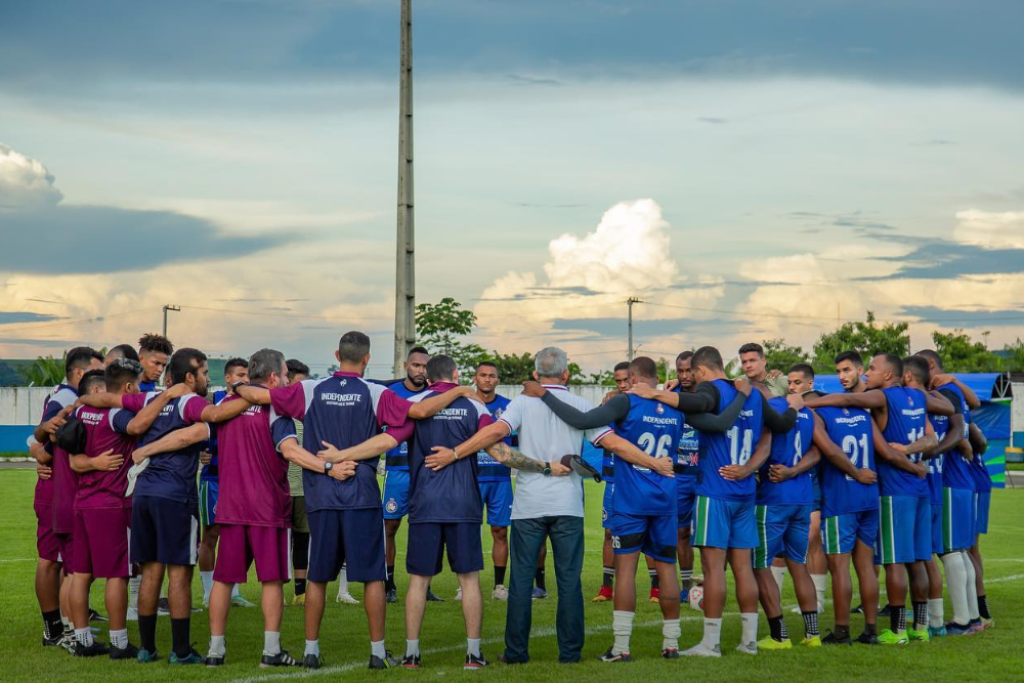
x=576, y=375
x=440, y=326
x=604, y=378
x=781, y=356
x=46, y=372
x=959, y=353
x=1015, y=356
x=868, y=338
x=512, y=369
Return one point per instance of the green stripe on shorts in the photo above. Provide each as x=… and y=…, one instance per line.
x=947, y=520
x=886, y=530
x=761, y=551
x=832, y=536
x=700, y=521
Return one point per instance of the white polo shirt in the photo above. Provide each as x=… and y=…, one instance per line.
x=542, y=436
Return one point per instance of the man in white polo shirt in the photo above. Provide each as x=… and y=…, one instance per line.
x=547, y=504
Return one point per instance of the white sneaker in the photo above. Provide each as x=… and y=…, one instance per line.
x=699, y=650
x=132, y=614
x=346, y=598
x=236, y=601
x=747, y=648
x=458, y=595
x=500, y=593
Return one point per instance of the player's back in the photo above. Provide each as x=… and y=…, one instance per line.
x=106, y=430
x=398, y=457
x=169, y=475
x=450, y=494
x=906, y=424
x=734, y=447
x=787, y=450
x=852, y=431
x=655, y=429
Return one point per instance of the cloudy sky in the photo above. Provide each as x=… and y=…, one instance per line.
x=749, y=169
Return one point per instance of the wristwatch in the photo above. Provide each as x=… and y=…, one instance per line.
x=328, y=466
x=234, y=387
x=547, y=469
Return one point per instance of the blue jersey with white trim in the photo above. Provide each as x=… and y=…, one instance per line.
x=654, y=428
x=489, y=468
x=787, y=450
x=907, y=416
x=852, y=431
x=735, y=447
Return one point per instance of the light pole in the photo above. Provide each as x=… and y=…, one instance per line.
x=629, y=303
x=405, y=261
x=169, y=307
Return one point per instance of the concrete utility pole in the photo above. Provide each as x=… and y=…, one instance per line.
x=169, y=307
x=629, y=303
x=405, y=262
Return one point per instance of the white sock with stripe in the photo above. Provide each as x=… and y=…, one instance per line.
x=712, y=633
x=749, y=620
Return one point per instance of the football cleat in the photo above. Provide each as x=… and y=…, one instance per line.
x=887, y=637
x=955, y=629
x=655, y=595
x=97, y=649
x=748, y=648
x=192, y=657
x=432, y=597
x=238, y=600
x=129, y=651
x=604, y=595
x=500, y=593
x=699, y=650
x=833, y=639
x=919, y=636
x=770, y=643
x=214, y=660
x=411, y=662
x=391, y=596
x=539, y=594
x=312, y=662
x=811, y=641
x=458, y=595
x=96, y=616
x=388, y=662
x=670, y=653
x=610, y=657
x=299, y=600
x=163, y=607
x=147, y=657
x=936, y=631
x=866, y=638
x=347, y=599
x=282, y=658
x=474, y=662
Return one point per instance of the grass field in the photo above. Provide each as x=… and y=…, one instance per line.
x=994, y=655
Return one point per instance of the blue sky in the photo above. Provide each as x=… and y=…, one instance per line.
x=751, y=169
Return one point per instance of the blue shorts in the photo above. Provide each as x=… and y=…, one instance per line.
x=427, y=543
x=655, y=535
x=719, y=523
x=352, y=537
x=164, y=531
x=904, y=530
x=607, y=505
x=781, y=530
x=208, y=490
x=982, y=501
x=958, y=521
x=936, y=529
x=497, y=496
x=396, y=494
x=686, y=496
x=840, y=534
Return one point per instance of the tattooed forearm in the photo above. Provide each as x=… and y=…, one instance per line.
x=510, y=457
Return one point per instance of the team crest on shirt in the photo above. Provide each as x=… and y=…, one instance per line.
x=391, y=506
x=910, y=399
x=659, y=409
x=343, y=382
x=846, y=411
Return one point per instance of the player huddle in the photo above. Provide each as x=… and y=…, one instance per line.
x=889, y=471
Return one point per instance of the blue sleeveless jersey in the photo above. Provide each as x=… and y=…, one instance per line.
x=735, y=447
x=397, y=459
x=956, y=472
x=851, y=430
x=654, y=428
x=788, y=449
x=940, y=423
x=489, y=468
x=907, y=416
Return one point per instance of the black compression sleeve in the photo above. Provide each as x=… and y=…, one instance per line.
x=615, y=409
x=704, y=400
x=954, y=399
x=776, y=422
x=709, y=422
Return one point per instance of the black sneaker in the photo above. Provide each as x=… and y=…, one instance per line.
x=282, y=658
x=833, y=639
x=431, y=597
x=883, y=612
x=411, y=662
x=611, y=658
x=391, y=596
x=214, y=660
x=97, y=649
x=389, y=662
x=868, y=638
x=96, y=616
x=859, y=609
x=670, y=653
x=163, y=607
x=147, y=657
x=312, y=662
x=129, y=651
x=55, y=641
x=474, y=662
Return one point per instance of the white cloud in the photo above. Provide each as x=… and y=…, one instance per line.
x=992, y=230
x=24, y=182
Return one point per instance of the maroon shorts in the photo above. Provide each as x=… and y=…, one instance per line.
x=240, y=545
x=66, y=552
x=46, y=540
x=101, y=543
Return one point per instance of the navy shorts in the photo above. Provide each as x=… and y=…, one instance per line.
x=427, y=543
x=352, y=537
x=982, y=503
x=164, y=531
x=497, y=497
x=655, y=535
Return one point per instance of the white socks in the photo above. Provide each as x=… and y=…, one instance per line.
x=820, y=584
x=207, y=580
x=622, y=629
x=956, y=584
x=133, y=592
x=936, y=618
x=84, y=636
x=713, y=632
x=343, y=579
x=119, y=639
x=412, y=648
x=749, y=627
x=972, y=587
x=670, y=632
x=312, y=648
x=271, y=643
x=377, y=649
x=779, y=574
x=217, y=646
x=473, y=646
